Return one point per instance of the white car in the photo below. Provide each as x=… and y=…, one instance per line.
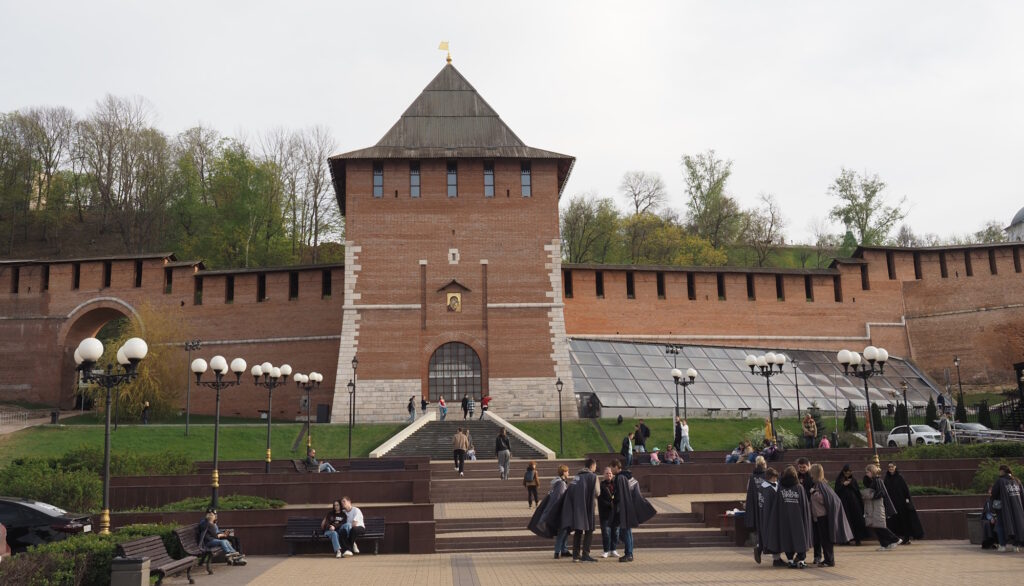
x=919, y=434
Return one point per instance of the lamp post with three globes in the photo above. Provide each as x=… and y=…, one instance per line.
x=871, y=364
x=220, y=368
x=764, y=365
x=308, y=382
x=677, y=376
x=273, y=377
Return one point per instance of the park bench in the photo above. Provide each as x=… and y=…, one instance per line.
x=376, y=465
x=712, y=411
x=300, y=466
x=160, y=562
x=187, y=539
x=307, y=529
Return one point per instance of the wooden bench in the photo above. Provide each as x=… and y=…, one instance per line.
x=713, y=410
x=307, y=529
x=376, y=465
x=187, y=538
x=160, y=562
x=300, y=466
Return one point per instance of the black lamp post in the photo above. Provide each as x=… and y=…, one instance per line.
x=796, y=381
x=220, y=368
x=272, y=378
x=189, y=347
x=906, y=408
x=561, y=439
x=89, y=351
x=352, y=402
x=764, y=366
x=959, y=384
x=864, y=368
x=308, y=382
x=677, y=376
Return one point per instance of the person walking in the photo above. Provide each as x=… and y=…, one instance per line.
x=605, y=512
x=412, y=409
x=472, y=407
x=848, y=489
x=503, y=450
x=423, y=405
x=627, y=448
x=531, y=480
x=442, y=408
x=485, y=402
x=465, y=406
x=877, y=508
x=643, y=433
x=547, y=517
x=631, y=508
x=145, y=413
x=905, y=523
x=789, y=528
x=677, y=433
x=684, y=437
x=460, y=443
x=751, y=518
x=830, y=524
x=945, y=429
x=1006, y=496
x=578, y=510
x=810, y=431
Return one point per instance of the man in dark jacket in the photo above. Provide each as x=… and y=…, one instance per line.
x=677, y=435
x=627, y=449
x=1008, y=492
x=905, y=523
x=605, y=513
x=643, y=432
x=848, y=490
x=465, y=406
x=631, y=508
x=788, y=527
x=766, y=493
x=751, y=515
x=578, y=510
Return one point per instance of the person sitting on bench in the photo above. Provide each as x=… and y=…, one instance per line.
x=353, y=529
x=211, y=536
x=332, y=524
x=312, y=462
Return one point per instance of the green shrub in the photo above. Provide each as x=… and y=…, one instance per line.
x=931, y=412
x=984, y=416
x=75, y=490
x=234, y=502
x=901, y=415
x=91, y=458
x=29, y=569
x=948, y=451
x=988, y=472
x=916, y=490
x=876, y=420
x=961, y=410
x=788, y=440
x=850, y=419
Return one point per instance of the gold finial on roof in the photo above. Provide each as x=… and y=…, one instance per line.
x=444, y=47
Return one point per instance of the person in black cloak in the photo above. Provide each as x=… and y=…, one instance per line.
x=848, y=490
x=1008, y=493
x=788, y=526
x=878, y=508
x=751, y=516
x=578, y=510
x=830, y=524
x=605, y=512
x=905, y=524
x=991, y=529
x=631, y=508
x=765, y=507
x=803, y=474
x=548, y=515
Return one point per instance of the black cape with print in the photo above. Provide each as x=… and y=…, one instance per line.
x=751, y=510
x=546, y=519
x=905, y=523
x=1008, y=491
x=580, y=497
x=837, y=522
x=788, y=520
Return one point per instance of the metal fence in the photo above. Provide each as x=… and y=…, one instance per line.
x=13, y=417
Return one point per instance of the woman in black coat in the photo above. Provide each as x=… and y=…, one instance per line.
x=848, y=490
x=905, y=524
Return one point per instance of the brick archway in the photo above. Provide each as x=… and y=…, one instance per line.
x=84, y=321
x=454, y=370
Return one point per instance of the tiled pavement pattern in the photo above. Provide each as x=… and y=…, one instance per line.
x=677, y=503
x=925, y=563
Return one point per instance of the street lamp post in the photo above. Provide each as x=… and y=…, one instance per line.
x=959, y=384
x=189, y=347
x=308, y=382
x=906, y=408
x=561, y=443
x=677, y=376
x=796, y=381
x=89, y=351
x=763, y=366
x=271, y=379
x=864, y=368
x=352, y=402
x=220, y=368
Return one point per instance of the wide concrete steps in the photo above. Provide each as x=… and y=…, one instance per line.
x=524, y=540
x=435, y=440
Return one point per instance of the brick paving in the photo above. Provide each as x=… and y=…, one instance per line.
x=948, y=562
x=676, y=503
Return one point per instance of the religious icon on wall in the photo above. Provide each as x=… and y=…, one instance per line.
x=455, y=302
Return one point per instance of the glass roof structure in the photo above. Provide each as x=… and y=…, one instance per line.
x=638, y=375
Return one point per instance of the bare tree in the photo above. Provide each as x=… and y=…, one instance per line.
x=200, y=145
x=762, y=228
x=281, y=148
x=905, y=237
x=645, y=191
x=826, y=242
x=319, y=216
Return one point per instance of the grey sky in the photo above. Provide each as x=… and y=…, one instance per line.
x=926, y=94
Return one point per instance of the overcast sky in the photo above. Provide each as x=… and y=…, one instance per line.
x=929, y=95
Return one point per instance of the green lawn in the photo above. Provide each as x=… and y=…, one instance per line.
x=705, y=434
x=580, y=436
x=96, y=418
x=237, y=442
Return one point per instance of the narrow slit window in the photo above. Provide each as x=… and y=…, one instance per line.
x=865, y=282
x=229, y=289
x=890, y=263
x=780, y=288
x=138, y=274
x=968, y=268
x=751, y=292
x=46, y=278
x=630, y=286
x=809, y=287
x=661, y=285
x=992, y=268
x=378, y=180
x=197, y=293
x=1016, y=259
x=720, y=279
x=414, y=179
x=168, y=280
x=691, y=287
x=917, y=265
x=325, y=285
x=599, y=284
x=488, y=179
x=525, y=179
x=943, y=268
x=261, y=288
x=293, y=285
x=108, y=268
x=567, y=283
x=837, y=284
x=76, y=275
x=453, y=179
x=15, y=279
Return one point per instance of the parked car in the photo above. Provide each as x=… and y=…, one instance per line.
x=919, y=434
x=31, y=522
x=969, y=433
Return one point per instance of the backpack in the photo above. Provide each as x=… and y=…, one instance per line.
x=529, y=477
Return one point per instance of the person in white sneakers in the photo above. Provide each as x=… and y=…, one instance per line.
x=353, y=529
x=605, y=510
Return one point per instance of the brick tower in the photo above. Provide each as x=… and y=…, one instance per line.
x=452, y=263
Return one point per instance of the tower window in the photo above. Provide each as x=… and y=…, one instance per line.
x=917, y=265
x=46, y=278
x=488, y=179
x=261, y=288
x=15, y=279
x=76, y=275
x=525, y=179
x=453, y=179
x=809, y=287
x=414, y=179
x=229, y=289
x=865, y=282
x=992, y=261
x=691, y=287
x=197, y=292
x=138, y=274
x=943, y=269
x=720, y=280
x=630, y=286
x=378, y=180
x=1016, y=259
x=108, y=268
x=890, y=264
x=599, y=284
x=968, y=267
x=325, y=285
x=661, y=284
x=293, y=285
x=837, y=284
x=751, y=291
x=780, y=288
x=567, y=283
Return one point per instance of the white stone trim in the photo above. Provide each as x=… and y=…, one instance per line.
x=556, y=321
x=523, y=305
x=381, y=450
x=349, y=333
x=548, y=454
x=384, y=306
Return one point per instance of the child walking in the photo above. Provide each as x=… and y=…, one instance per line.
x=531, y=481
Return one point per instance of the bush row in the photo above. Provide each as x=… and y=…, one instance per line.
x=232, y=502
x=950, y=451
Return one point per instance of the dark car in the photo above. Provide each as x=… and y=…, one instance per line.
x=30, y=522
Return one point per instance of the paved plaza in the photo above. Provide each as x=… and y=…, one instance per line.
x=946, y=562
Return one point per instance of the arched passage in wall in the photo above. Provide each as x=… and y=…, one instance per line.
x=84, y=321
x=454, y=371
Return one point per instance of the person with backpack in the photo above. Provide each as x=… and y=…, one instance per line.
x=503, y=450
x=531, y=480
x=643, y=433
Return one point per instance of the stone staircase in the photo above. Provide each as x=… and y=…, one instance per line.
x=435, y=440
